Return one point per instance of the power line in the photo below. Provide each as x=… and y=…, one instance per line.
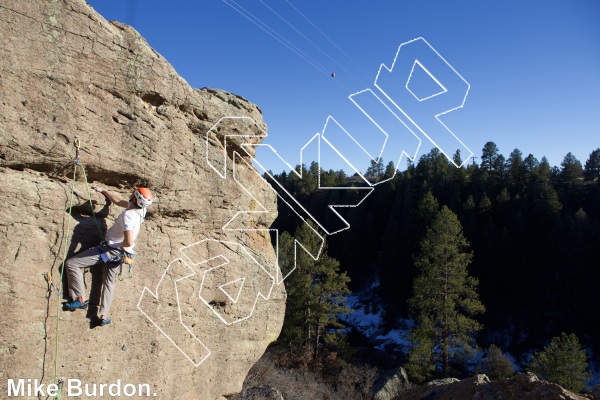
x=309, y=40
x=265, y=27
x=330, y=41
x=274, y=34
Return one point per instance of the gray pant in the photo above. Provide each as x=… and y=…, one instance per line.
x=89, y=258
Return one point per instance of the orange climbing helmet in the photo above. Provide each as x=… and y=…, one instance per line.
x=143, y=197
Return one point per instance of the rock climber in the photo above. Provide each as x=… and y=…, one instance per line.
x=119, y=243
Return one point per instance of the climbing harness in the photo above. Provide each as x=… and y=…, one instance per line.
x=110, y=254
x=113, y=255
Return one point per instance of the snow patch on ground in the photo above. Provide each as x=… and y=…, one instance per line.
x=367, y=318
x=594, y=370
x=396, y=337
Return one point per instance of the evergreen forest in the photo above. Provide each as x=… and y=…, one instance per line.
x=523, y=237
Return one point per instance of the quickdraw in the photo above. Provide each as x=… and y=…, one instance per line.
x=51, y=286
x=129, y=264
x=77, y=145
x=85, y=271
x=60, y=388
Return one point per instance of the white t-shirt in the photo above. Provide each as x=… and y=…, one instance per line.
x=128, y=220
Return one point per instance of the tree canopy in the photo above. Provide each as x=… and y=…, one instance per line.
x=445, y=296
x=316, y=292
x=563, y=362
x=533, y=230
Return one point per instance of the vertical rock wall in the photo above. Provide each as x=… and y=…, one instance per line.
x=194, y=317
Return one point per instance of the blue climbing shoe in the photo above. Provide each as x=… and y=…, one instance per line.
x=76, y=305
x=104, y=321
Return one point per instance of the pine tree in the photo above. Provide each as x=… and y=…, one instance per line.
x=390, y=170
x=445, y=296
x=327, y=178
x=375, y=170
x=457, y=158
x=340, y=178
x=500, y=169
x=316, y=292
x=503, y=197
x=293, y=331
x=592, y=166
x=489, y=155
x=571, y=171
x=544, y=172
x=531, y=163
x=517, y=170
x=485, y=204
x=421, y=365
x=469, y=205
x=496, y=365
x=563, y=362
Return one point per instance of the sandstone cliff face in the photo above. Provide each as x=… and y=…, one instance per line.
x=66, y=72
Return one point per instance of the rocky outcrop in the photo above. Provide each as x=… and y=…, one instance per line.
x=259, y=393
x=187, y=327
x=390, y=384
x=596, y=392
x=521, y=386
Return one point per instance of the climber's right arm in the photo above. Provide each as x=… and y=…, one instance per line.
x=112, y=197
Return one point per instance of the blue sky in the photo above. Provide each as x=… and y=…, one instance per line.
x=533, y=66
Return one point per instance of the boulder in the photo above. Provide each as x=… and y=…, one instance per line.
x=596, y=392
x=528, y=384
x=259, y=393
x=390, y=384
x=521, y=386
x=203, y=302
